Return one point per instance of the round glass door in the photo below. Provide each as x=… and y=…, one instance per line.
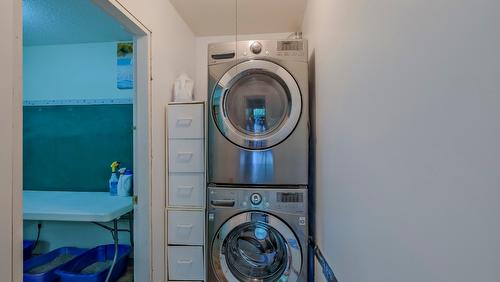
x=256, y=246
x=257, y=251
x=256, y=104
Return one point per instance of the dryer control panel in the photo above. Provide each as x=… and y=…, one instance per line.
x=287, y=49
x=270, y=199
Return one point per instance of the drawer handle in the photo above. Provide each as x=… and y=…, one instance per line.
x=186, y=226
x=186, y=122
x=184, y=156
x=185, y=261
x=185, y=190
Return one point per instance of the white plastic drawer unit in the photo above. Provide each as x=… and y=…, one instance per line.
x=186, y=227
x=185, y=155
x=185, y=121
x=185, y=263
x=186, y=190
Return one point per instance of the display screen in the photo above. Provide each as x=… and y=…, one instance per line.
x=290, y=197
x=290, y=46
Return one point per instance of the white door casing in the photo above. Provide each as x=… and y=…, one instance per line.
x=142, y=136
x=11, y=145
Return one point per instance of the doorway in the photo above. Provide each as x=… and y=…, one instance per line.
x=140, y=137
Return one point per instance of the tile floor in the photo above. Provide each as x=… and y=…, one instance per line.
x=129, y=274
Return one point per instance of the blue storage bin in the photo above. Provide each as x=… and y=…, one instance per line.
x=28, y=246
x=94, y=264
x=42, y=268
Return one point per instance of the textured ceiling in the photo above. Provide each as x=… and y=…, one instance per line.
x=227, y=17
x=48, y=22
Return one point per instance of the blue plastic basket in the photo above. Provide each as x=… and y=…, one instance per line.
x=49, y=275
x=72, y=272
x=28, y=246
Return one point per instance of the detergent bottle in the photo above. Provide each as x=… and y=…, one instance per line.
x=113, y=181
x=125, y=183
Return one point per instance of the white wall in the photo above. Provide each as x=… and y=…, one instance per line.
x=72, y=71
x=7, y=57
x=172, y=54
x=201, y=70
x=407, y=135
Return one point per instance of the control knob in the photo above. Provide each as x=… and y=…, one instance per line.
x=256, y=47
x=256, y=199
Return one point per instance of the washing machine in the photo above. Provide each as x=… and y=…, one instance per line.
x=257, y=235
x=258, y=124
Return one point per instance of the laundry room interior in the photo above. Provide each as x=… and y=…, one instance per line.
x=250, y=140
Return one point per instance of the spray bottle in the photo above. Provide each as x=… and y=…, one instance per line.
x=113, y=181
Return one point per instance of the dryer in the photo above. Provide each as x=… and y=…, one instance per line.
x=257, y=234
x=258, y=124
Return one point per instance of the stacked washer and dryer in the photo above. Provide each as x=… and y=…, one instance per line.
x=258, y=143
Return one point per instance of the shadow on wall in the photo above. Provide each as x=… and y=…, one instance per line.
x=312, y=162
x=312, y=143
x=326, y=273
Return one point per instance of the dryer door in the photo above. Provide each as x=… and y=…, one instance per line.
x=256, y=246
x=256, y=104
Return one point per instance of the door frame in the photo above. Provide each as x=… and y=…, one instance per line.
x=142, y=136
x=142, y=139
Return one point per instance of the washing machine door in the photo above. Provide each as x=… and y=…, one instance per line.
x=256, y=104
x=256, y=246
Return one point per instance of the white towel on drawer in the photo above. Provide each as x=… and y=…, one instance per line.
x=183, y=89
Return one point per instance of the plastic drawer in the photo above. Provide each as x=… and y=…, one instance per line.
x=185, y=121
x=186, y=227
x=186, y=190
x=186, y=155
x=185, y=263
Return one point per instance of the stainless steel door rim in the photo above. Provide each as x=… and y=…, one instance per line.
x=292, y=261
x=278, y=133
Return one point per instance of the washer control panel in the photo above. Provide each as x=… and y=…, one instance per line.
x=289, y=200
x=292, y=49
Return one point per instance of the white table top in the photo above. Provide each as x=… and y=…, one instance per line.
x=74, y=206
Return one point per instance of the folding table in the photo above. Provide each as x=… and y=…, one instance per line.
x=95, y=207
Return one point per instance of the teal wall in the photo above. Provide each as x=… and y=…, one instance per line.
x=71, y=71
x=71, y=147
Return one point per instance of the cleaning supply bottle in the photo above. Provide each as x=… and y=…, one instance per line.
x=125, y=183
x=113, y=181
x=119, y=188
